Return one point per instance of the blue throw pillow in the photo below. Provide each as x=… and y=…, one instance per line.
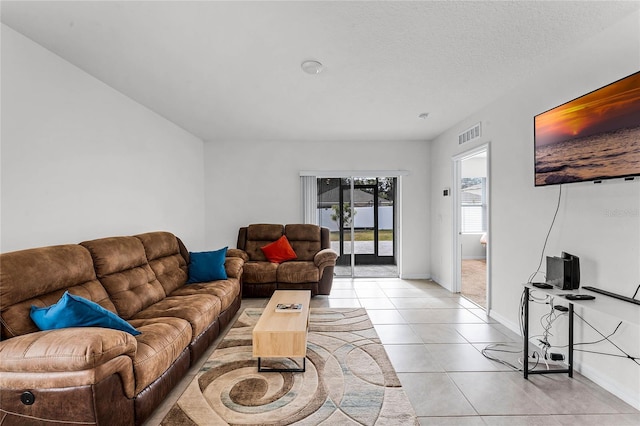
x=76, y=311
x=207, y=266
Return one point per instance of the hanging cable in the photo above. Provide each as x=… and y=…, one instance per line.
x=544, y=246
x=634, y=294
x=495, y=347
x=604, y=338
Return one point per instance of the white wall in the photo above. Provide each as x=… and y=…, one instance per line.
x=82, y=161
x=259, y=183
x=607, y=242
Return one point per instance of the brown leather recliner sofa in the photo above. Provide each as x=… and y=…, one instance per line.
x=311, y=270
x=101, y=376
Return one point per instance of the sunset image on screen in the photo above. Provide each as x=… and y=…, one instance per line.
x=593, y=137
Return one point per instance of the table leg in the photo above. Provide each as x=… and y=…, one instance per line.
x=570, y=355
x=525, y=334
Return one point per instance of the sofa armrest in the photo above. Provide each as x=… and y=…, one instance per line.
x=238, y=253
x=64, y=350
x=325, y=257
x=233, y=266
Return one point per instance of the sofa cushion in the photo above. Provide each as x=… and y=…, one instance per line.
x=305, y=240
x=298, y=272
x=199, y=310
x=44, y=274
x=258, y=236
x=279, y=251
x=325, y=257
x=76, y=311
x=259, y=272
x=160, y=344
x=233, y=266
x=239, y=253
x=64, y=350
x=264, y=232
x=225, y=290
x=164, y=254
x=159, y=244
x=207, y=266
x=122, y=268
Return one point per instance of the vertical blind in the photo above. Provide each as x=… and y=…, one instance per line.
x=474, y=218
x=309, y=185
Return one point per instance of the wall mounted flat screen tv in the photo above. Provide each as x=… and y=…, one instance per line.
x=591, y=138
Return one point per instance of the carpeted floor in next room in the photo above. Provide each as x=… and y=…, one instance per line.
x=474, y=280
x=433, y=339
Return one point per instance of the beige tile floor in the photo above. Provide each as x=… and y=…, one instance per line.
x=434, y=339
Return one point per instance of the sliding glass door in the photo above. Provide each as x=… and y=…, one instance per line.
x=361, y=214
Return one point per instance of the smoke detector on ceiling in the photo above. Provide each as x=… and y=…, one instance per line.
x=312, y=67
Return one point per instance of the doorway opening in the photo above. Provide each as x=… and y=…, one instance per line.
x=361, y=214
x=472, y=208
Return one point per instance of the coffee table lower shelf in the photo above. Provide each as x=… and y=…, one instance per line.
x=302, y=369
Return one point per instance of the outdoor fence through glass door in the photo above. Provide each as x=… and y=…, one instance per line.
x=361, y=214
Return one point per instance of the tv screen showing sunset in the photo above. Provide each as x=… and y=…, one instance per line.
x=594, y=137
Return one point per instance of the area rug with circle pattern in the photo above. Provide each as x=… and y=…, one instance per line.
x=349, y=379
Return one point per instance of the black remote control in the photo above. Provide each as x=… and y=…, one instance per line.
x=542, y=285
x=580, y=297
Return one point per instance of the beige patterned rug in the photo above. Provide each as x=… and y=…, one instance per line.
x=348, y=380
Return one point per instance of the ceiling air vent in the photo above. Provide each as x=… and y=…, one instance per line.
x=471, y=134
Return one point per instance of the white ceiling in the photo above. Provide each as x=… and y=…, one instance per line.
x=231, y=70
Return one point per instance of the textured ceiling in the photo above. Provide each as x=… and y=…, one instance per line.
x=230, y=71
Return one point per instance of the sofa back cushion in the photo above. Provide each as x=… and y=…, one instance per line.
x=164, y=254
x=259, y=235
x=122, y=268
x=305, y=240
x=39, y=277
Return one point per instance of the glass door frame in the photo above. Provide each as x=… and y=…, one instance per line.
x=348, y=185
x=341, y=228
x=369, y=258
x=352, y=174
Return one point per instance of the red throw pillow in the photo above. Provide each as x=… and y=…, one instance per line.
x=279, y=251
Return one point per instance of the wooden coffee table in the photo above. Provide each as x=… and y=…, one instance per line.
x=283, y=334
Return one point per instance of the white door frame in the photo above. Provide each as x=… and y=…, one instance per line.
x=457, y=220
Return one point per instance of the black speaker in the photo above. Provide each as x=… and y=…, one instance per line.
x=575, y=269
x=563, y=272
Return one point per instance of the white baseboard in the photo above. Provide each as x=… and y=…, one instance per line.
x=600, y=379
x=415, y=277
x=504, y=321
x=440, y=282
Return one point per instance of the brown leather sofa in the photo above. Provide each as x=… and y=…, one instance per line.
x=312, y=270
x=101, y=376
